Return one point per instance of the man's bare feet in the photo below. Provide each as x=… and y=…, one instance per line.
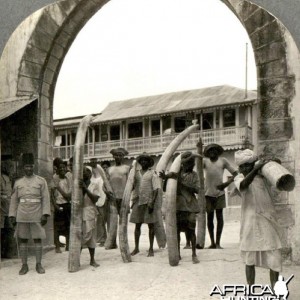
x=94, y=264
x=199, y=247
x=195, y=260
x=150, y=253
x=134, y=252
x=112, y=247
x=218, y=246
x=212, y=246
x=187, y=247
x=58, y=250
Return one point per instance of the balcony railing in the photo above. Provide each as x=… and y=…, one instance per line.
x=231, y=137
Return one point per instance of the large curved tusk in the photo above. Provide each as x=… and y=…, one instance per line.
x=77, y=198
x=123, y=222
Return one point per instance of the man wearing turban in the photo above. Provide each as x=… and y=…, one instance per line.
x=260, y=242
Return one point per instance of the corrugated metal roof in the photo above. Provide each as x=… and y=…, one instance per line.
x=71, y=122
x=68, y=123
x=10, y=106
x=175, y=102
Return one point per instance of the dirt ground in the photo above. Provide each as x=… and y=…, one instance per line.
x=145, y=278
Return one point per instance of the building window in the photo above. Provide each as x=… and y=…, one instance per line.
x=58, y=141
x=217, y=122
x=73, y=134
x=103, y=130
x=208, y=121
x=250, y=116
x=97, y=133
x=179, y=123
x=115, y=132
x=135, y=130
x=166, y=123
x=155, y=127
x=228, y=117
x=63, y=140
x=71, y=137
x=190, y=116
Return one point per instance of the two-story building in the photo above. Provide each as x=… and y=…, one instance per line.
x=148, y=124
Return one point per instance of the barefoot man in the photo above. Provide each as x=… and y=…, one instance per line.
x=144, y=210
x=117, y=176
x=187, y=204
x=214, y=167
x=91, y=194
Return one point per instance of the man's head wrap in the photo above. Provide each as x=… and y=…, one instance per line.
x=119, y=150
x=244, y=156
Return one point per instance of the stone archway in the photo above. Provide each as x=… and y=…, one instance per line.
x=33, y=56
x=39, y=46
x=278, y=70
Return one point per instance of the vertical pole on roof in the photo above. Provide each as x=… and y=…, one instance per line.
x=246, y=73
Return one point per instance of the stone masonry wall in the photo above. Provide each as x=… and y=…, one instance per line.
x=55, y=31
x=276, y=90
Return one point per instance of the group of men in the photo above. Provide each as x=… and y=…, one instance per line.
x=30, y=204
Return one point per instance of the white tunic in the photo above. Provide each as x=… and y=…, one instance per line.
x=259, y=229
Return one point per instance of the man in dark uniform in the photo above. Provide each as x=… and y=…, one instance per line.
x=29, y=210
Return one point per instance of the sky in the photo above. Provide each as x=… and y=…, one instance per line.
x=137, y=48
